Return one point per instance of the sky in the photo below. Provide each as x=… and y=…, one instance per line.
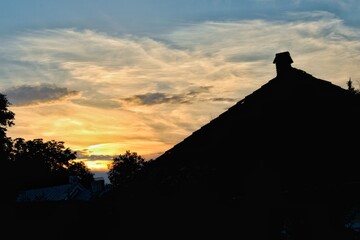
x=141, y=75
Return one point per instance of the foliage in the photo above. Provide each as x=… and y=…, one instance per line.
x=52, y=154
x=6, y=116
x=6, y=120
x=351, y=87
x=36, y=163
x=125, y=169
x=80, y=170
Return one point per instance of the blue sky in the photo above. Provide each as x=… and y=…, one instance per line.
x=141, y=75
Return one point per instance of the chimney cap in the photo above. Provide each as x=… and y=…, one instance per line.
x=283, y=57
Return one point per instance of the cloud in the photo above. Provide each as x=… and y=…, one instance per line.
x=223, y=99
x=159, y=98
x=97, y=100
x=155, y=98
x=309, y=36
x=312, y=15
x=84, y=155
x=36, y=94
x=220, y=52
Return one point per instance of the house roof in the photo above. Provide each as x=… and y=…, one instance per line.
x=294, y=126
x=66, y=192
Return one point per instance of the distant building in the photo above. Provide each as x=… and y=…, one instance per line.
x=73, y=191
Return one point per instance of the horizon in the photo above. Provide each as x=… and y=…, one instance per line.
x=142, y=76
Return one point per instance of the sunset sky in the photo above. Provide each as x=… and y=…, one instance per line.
x=141, y=75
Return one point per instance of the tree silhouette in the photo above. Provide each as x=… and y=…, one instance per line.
x=80, y=170
x=6, y=116
x=6, y=120
x=351, y=87
x=36, y=163
x=125, y=169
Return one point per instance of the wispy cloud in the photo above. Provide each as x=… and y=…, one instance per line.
x=309, y=36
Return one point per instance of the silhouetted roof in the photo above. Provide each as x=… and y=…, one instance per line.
x=74, y=191
x=294, y=126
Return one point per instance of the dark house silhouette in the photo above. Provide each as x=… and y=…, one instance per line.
x=71, y=191
x=287, y=149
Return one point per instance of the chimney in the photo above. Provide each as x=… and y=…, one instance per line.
x=283, y=62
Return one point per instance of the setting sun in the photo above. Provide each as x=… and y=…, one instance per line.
x=109, y=149
x=97, y=165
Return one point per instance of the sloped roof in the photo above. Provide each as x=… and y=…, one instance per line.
x=297, y=126
x=71, y=191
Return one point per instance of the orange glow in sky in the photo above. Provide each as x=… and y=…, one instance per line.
x=97, y=165
x=105, y=92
